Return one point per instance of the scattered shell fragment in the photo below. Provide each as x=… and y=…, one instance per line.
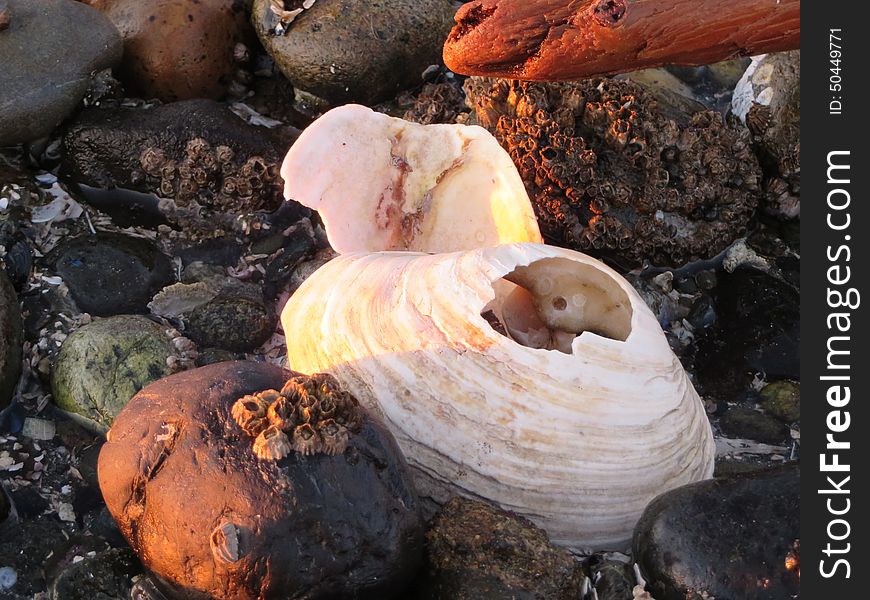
x=224, y=542
x=382, y=183
x=38, y=429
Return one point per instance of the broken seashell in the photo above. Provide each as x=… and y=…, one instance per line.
x=577, y=440
x=381, y=183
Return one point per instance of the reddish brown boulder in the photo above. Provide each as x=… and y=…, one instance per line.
x=178, y=49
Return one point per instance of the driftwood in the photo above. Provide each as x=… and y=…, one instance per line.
x=563, y=40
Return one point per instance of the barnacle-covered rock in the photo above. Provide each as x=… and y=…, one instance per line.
x=212, y=520
x=310, y=415
x=437, y=103
x=768, y=99
x=610, y=175
x=197, y=154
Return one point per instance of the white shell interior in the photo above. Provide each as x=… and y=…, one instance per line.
x=382, y=183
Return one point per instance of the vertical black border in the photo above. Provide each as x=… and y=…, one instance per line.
x=822, y=133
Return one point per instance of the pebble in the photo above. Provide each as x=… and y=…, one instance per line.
x=244, y=525
x=782, y=399
x=111, y=273
x=232, y=322
x=479, y=552
x=743, y=422
x=723, y=538
x=8, y=578
x=102, y=365
x=349, y=51
x=10, y=339
x=176, y=50
x=50, y=49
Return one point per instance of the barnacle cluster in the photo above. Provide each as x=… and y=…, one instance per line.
x=436, y=103
x=210, y=176
x=610, y=175
x=309, y=415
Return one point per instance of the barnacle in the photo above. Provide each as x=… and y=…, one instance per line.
x=305, y=440
x=224, y=542
x=609, y=174
x=272, y=444
x=309, y=415
x=250, y=413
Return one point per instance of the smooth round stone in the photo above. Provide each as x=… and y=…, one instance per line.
x=178, y=49
x=357, y=50
x=479, y=552
x=103, y=364
x=49, y=51
x=111, y=273
x=782, y=399
x=10, y=339
x=209, y=517
x=743, y=422
x=723, y=538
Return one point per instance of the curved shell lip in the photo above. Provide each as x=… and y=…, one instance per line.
x=520, y=254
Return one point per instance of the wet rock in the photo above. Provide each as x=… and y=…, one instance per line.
x=742, y=422
x=233, y=322
x=782, y=399
x=110, y=273
x=197, y=153
x=11, y=329
x=29, y=503
x=612, y=176
x=244, y=525
x=723, y=538
x=479, y=552
x=345, y=50
x=177, y=50
x=103, y=364
x=768, y=100
x=47, y=67
x=105, y=576
x=210, y=356
x=614, y=580
x=757, y=331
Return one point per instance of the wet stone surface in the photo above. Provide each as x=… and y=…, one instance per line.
x=110, y=274
x=478, y=552
x=726, y=538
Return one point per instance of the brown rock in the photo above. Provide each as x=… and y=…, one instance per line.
x=191, y=493
x=178, y=49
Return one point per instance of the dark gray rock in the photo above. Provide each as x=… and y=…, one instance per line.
x=231, y=322
x=50, y=49
x=11, y=330
x=725, y=538
x=111, y=273
x=350, y=50
x=614, y=580
x=743, y=422
x=479, y=552
x=215, y=521
x=106, y=576
x=195, y=152
x=757, y=330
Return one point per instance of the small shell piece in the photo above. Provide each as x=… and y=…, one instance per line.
x=578, y=440
x=224, y=542
x=381, y=183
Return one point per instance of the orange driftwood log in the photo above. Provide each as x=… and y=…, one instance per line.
x=563, y=40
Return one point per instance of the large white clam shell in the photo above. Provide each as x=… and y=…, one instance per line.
x=578, y=442
x=381, y=183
